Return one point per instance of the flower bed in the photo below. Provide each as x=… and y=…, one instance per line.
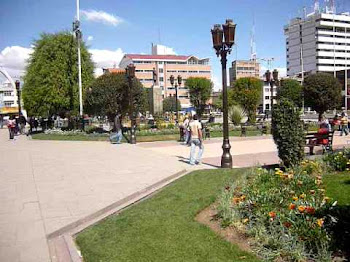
x=284, y=212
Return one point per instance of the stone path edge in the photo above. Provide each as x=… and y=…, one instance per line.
x=62, y=247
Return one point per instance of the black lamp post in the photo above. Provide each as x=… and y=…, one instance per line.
x=18, y=88
x=271, y=81
x=130, y=73
x=179, y=82
x=227, y=31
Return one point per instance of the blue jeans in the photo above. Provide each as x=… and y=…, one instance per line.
x=116, y=137
x=194, y=143
x=344, y=129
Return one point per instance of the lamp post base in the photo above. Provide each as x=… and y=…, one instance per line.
x=226, y=158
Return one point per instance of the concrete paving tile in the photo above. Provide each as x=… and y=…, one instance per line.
x=9, y=254
x=30, y=231
x=34, y=251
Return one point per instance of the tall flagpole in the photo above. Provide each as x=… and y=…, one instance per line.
x=79, y=64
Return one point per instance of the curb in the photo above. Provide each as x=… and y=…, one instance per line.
x=62, y=247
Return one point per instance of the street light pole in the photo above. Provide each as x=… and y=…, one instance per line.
x=78, y=35
x=178, y=83
x=18, y=87
x=222, y=48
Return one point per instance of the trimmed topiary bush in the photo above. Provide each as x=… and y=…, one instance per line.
x=288, y=132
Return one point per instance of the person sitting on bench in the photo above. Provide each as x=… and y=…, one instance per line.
x=320, y=137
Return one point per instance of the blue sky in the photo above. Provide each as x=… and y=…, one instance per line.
x=182, y=25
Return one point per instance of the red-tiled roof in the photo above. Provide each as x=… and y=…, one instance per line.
x=158, y=57
x=114, y=70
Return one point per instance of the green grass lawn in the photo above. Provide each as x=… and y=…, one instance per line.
x=338, y=187
x=163, y=228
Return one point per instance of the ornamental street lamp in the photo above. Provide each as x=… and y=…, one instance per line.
x=18, y=85
x=271, y=82
x=130, y=73
x=226, y=33
x=179, y=82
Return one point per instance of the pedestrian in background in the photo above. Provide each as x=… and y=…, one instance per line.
x=344, y=124
x=196, y=141
x=116, y=136
x=11, y=125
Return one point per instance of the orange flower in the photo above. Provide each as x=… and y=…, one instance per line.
x=236, y=200
x=312, y=192
x=295, y=198
x=243, y=197
x=287, y=224
x=310, y=210
x=292, y=206
x=302, y=196
x=320, y=222
x=272, y=214
x=301, y=209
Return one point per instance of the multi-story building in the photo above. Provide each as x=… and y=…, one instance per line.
x=317, y=43
x=244, y=68
x=266, y=97
x=8, y=98
x=165, y=66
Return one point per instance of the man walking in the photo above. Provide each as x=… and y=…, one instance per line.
x=116, y=136
x=196, y=141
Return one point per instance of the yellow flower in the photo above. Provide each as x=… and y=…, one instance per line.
x=326, y=199
x=320, y=222
x=300, y=183
x=243, y=197
x=245, y=221
x=295, y=198
x=301, y=209
x=302, y=196
x=236, y=200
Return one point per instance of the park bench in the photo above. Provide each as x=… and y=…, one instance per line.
x=312, y=139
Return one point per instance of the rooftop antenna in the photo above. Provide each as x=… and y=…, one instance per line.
x=304, y=12
x=252, y=42
x=317, y=7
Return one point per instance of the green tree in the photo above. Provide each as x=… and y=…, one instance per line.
x=247, y=93
x=322, y=92
x=110, y=93
x=169, y=104
x=288, y=133
x=292, y=90
x=51, y=79
x=200, y=90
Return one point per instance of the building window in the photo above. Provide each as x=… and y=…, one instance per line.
x=8, y=103
x=161, y=79
x=8, y=93
x=267, y=97
x=267, y=107
x=160, y=70
x=162, y=87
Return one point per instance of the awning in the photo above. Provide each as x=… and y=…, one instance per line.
x=8, y=110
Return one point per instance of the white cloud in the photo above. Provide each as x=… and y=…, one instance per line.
x=101, y=17
x=90, y=38
x=105, y=58
x=14, y=59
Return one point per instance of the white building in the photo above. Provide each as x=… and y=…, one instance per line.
x=8, y=96
x=266, y=96
x=320, y=42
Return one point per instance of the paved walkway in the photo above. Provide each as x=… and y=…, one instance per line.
x=46, y=185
